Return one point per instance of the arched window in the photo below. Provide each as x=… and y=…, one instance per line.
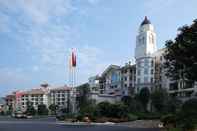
x=152, y=39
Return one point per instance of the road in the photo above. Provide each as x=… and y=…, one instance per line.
x=50, y=124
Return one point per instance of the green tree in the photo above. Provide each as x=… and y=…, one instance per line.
x=53, y=108
x=187, y=118
x=118, y=110
x=172, y=105
x=144, y=97
x=181, y=59
x=83, y=99
x=103, y=109
x=30, y=108
x=127, y=100
x=42, y=109
x=133, y=104
x=158, y=99
x=10, y=110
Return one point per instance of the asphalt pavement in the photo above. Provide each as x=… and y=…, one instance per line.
x=50, y=124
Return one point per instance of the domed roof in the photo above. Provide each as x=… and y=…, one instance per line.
x=145, y=21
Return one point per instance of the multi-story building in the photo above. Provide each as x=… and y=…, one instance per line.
x=114, y=83
x=148, y=72
x=145, y=62
x=60, y=96
x=36, y=97
x=2, y=105
x=128, y=79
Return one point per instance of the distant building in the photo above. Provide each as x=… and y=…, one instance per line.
x=36, y=97
x=113, y=83
x=2, y=105
x=60, y=96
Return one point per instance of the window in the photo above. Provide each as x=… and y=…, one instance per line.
x=143, y=40
x=114, y=77
x=146, y=71
x=146, y=61
x=125, y=85
x=152, y=38
x=138, y=80
x=152, y=71
x=151, y=80
x=130, y=78
x=139, y=64
x=138, y=72
x=160, y=58
x=152, y=63
x=125, y=78
x=145, y=79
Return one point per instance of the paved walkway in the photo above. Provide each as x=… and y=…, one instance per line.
x=142, y=124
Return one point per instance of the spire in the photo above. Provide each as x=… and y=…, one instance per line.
x=146, y=21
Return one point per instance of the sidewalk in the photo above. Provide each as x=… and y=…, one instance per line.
x=141, y=124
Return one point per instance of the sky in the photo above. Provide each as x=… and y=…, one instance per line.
x=36, y=36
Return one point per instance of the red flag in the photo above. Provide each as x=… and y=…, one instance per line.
x=74, y=61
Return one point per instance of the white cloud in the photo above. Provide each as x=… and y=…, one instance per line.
x=39, y=11
x=43, y=31
x=12, y=76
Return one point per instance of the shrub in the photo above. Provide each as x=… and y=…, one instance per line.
x=147, y=116
x=106, y=109
x=42, y=110
x=187, y=117
x=158, y=98
x=144, y=97
x=132, y=117
x=169, y=120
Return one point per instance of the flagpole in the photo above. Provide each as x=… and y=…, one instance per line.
x=72, y=78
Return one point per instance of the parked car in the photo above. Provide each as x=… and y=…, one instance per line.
x=19, y=115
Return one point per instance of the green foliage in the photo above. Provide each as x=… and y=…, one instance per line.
x=180, y=54
x=175, y=129
x=127, y=100
x=53, y=108
x=10, y=110
x=158, y=98
x=89, y=111
x=112, y=110
x=169, y=119
x=103, y=109
x=187, y=117
x=147, y=115
x=132, y=117
x=2, y=113
x=118, y=110
x=133, y=104
x=172, y=105
x=30, y=109
x=42, y=110
x=83, y=97
x=144, y=97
